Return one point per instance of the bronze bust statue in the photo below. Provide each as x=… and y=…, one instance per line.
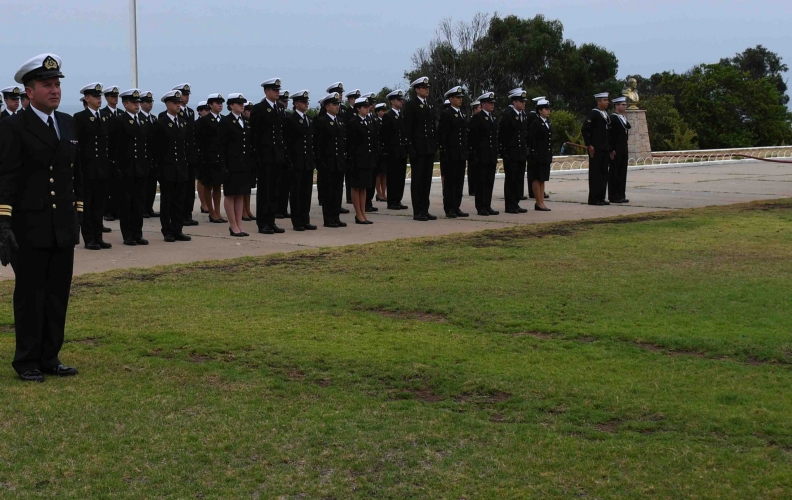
x=631, y=93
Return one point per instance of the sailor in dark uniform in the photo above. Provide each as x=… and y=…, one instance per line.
x=207, y=139
x=619, y=132
x=93, y=137
x=188, y=116
x=452, y=137
x=362, y=156
x=267, y=120
x=170, y=155
x=346, y=113
x=596, y=133
x=375, y=120
x=300, y=146
x=540, y=142
x=115, y=190
x=483, y=135
x=236, y=151
x=200, y=169
x=11, y=98
x=131, y=150
x=337, y=87
x=146, y=105
x=394, y=141
x=330, y=153
x=40, y=205
x=512, y=136
x=247, y=214
x=282, y=211
x=532, y=115
x=420, y=128
x=472, y=172
x=381, y=175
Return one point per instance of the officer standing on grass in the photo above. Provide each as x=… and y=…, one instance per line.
x=41, y=203
x=596, y=133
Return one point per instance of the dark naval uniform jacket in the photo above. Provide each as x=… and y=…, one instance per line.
x=210, y=144
x=452, y=133
x=483, y=135
x=512, y=136
x=41, y=180
x=619, y=132
x=330, y=144
x=267, y=124
x=540, y=140
x=170, y=149
x=300, y=142
x=237, y=144
x=361, y=145
x=94, y=138
x=392, y=135
x=420, y=127
x=131, y=149
x=596, y=131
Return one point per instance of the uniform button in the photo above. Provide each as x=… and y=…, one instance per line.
x=50, y=167
x=54, y=206
x=52, y=180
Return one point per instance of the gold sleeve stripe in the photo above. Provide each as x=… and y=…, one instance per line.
x=5, y=207
x=79, y=209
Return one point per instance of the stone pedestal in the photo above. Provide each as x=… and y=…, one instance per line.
x=638, y=140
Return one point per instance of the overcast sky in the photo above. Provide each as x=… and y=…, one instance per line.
x=233, y=46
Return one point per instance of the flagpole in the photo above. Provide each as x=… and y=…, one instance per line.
x=133, y=42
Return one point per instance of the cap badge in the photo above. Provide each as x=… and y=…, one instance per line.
x=177, y=94
x=277, y=82
x=186, y=87
x=136, y=94
x=98, y=88
x=50, y=63
x=426, y=80
x=340, y=86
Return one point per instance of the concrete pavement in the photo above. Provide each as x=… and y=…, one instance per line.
x=648, y=188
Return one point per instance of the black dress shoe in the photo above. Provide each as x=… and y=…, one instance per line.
x=372, y=209
x=331, y=224
x=141, y=241
x=298, y=228
x=430, y=216
x=244, y=233
x=191, y=222
x=369, y=222
x=493, y=212
x=342, y=224
x=403, y=207
x=130, y=243
x=182, y=237
x=154, y=214
x=597, y=203
x=246, y=219
x=109, y=218
x=512, y=211
x=605, y=202
x=252, y=217
x=624, y=200
x=483, y=213
x=31, y=376
x=343, y=210
x=394, y=207
x=420, y=217
x=547, y=196
x=216, y=221
x=381, y=199
x=238, y=235
x=540, y=209
x=104, y=245
x=92, y=246
x=451, y=215
x=146, y=216
x=523, y=198
x=522, y=210
x=106, y=230
x=169, y=238
x=310, y=227
x=204, y=211
x=266, y=230
x=357, y=221
x=278, y=229
x=60, y=371
x=460, y=213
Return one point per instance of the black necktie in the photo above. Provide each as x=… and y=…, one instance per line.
x=177, y=123
x=51, y=125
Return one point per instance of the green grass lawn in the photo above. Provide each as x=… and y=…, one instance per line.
x=643, y=357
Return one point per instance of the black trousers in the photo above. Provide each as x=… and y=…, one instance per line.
x=348, y=189
x=472, y=175
x=301, y=192
x=486, y=181
x=397, y=171
x=513, y=187
x=133, y=207
x=617, y=177
x=41, y=297
x=453, y=172
x=422, y=167
x=172, y=206
x=530, y=179
x=95, y=197
x=189, y=194
x=115, y=197
x=151, y=192
x=333, y=192
x=285, y=193
x=598, y=176
x=270, y=179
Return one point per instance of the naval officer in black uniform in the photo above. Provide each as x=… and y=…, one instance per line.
x=300, y=146
x=540, y=142
x=115, y=190
x=452, y=138
x=146, y=105
x=11, y=96
x=94, y=137
x=40, y=206
x=330, y=158
x=188, y=119
x=420, y=127
x=619, y=132
x=512, y=137
x=596, y=133
x=483, y=135
x=394, y=143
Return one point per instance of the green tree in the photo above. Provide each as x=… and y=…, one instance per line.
x=566, y=127
x=663, y=121
x=759, y=62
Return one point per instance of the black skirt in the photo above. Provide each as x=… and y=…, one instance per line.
x=213, y=174
x=360, y=178
x=238, y=184
x=540, y=171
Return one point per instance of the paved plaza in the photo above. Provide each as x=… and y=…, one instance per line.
x=648, y=188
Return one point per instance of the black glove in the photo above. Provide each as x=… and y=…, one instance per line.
x=8, y=243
